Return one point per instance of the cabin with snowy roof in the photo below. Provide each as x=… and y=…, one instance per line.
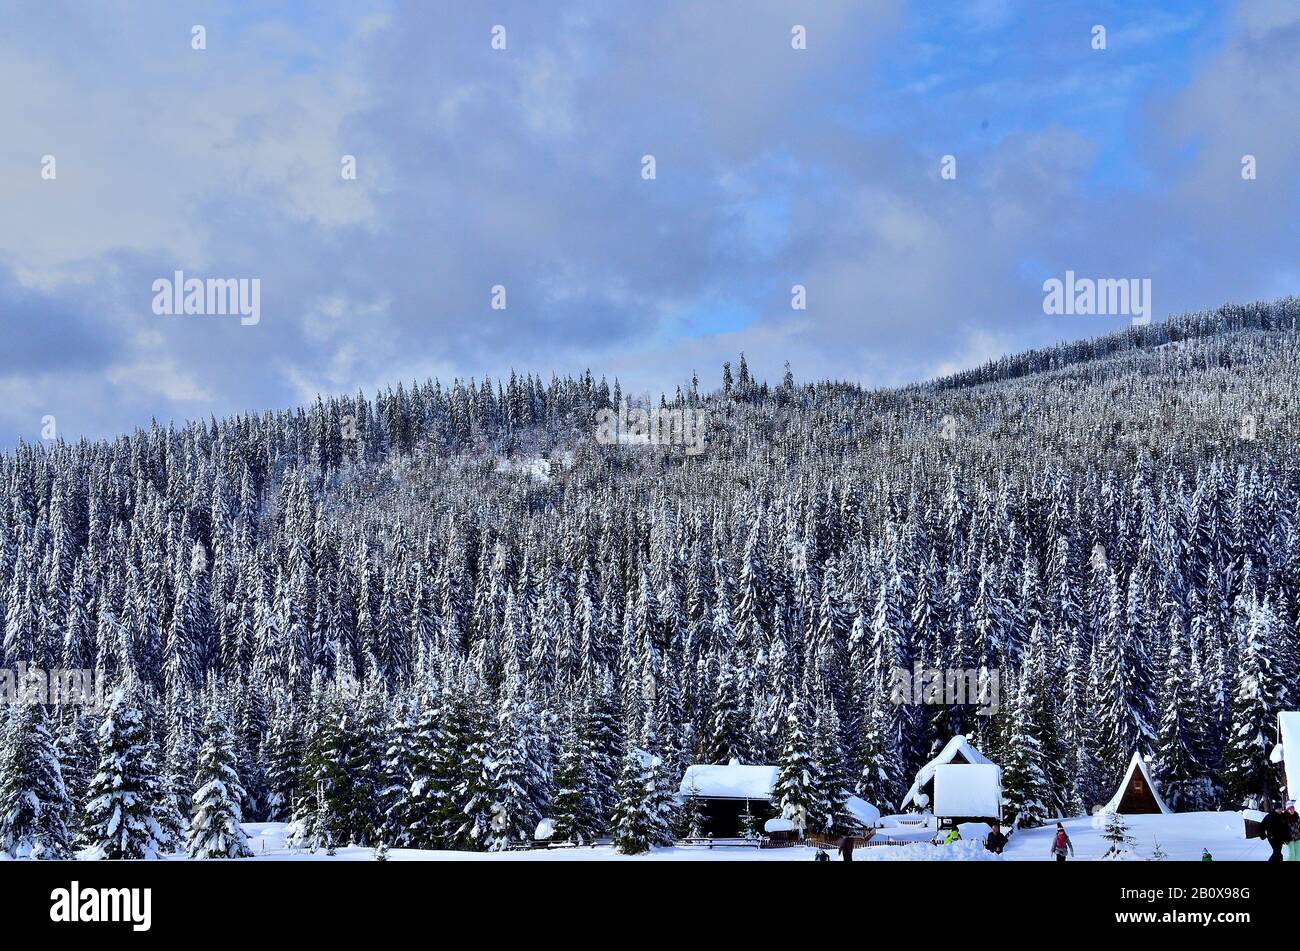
x=1287, y=751
x=1137, y=794
x=732, y=797
x=961, y=784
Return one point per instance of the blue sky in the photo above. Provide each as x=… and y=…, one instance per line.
x=522, y=167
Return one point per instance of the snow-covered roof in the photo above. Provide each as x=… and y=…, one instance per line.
x=1288, y=726
x=958, y=744
x=862, y=812
x=733, y=781
x=1138, y=763
x=968, y=789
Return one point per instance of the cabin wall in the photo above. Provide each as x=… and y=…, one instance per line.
x=722, y=817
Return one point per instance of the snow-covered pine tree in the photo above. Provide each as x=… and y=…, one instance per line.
x=78, y=759
x=639, y=821
x=474, y=793
x=576, y=805
x=1248, y=774
x=283, y=753
x=690, y=817
x=798, y=792
x=512, y=778
x=398, y=774
x=125, y=799
x=881, y=778
x=1184, y=780
x=215, y=830
x=1117, y=834
x=1024, y=779
x=34, y=805
x=1032, y=742
x=363, y=766
x=431, y=817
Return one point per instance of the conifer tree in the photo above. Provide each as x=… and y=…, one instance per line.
x=797, y=792
x=125, y=799
x=1117, y=834
x=575, y=811
x=510, y=777
x=1248, y=774
x=640, y=820
x=215, y=831
x=1183, y=778
x=34, y=805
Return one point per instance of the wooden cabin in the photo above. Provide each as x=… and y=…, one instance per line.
x=961, y=784
x=1137, y=794
x=733, y=799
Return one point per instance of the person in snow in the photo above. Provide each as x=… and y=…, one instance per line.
x=996, y=841
x=846, y=848
x=1061, y=843
x=1206, y=856
x=953, y=836
x=1293, y=825
x=821, y=856
x=1276, y=829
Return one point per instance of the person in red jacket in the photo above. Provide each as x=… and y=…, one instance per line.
x=1061, y=843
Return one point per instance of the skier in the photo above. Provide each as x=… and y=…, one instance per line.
x=1293, y=825
x=1061, y=843
x=1276, y=828
x=996, y=840
x=846, y=848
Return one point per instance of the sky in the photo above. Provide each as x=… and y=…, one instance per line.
x=524, y=168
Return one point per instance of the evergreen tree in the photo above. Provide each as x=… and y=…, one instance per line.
x=575, y=811
x=34, y=803
x=1248, y=774
x=215, y=832
x=1184, y=780
x=125, y=799
x=1117, y=834
x=797, y=792
x=641, y=816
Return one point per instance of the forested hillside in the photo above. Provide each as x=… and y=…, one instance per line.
x=433, y=616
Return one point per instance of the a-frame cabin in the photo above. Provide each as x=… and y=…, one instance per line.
x=1137, y=794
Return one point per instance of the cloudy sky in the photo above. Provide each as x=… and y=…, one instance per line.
x=523, y=167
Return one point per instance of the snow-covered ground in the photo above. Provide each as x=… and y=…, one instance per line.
x=1181, y=836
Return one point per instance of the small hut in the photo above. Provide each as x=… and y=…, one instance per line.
x=734, y=799
x=961, y=784
x=1137, y=794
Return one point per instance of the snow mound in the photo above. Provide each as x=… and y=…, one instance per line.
x=862, y=812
